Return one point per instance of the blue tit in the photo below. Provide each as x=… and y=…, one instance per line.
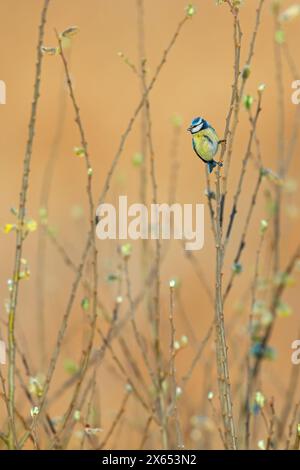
x=205, y=142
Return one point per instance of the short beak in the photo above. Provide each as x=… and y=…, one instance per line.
x=189, y=129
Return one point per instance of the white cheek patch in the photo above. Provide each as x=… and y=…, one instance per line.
x=197, y=128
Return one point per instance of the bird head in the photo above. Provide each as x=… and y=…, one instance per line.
x=197, y=124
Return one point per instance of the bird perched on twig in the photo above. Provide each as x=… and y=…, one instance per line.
x=205, y=142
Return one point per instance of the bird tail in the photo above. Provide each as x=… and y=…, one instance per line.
x=213, y=164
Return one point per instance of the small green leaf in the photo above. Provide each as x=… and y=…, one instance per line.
x=70, y=366
x=237, y=268
x=31, y=225
x=246, y=72
x=126, y=250
x=190, y=10
x=176, y=120
x=237, y=3
x=112, y=277
x=138, y=159
x=284, y=279
x=43, y=214
x=280, y=36
x=248, y=101
x=85, y=304
x=283, y=310
x=76, y=415
x=79, y=151
x=260, y=399
x=263, y=226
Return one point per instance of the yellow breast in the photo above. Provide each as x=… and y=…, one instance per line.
x=206, y=144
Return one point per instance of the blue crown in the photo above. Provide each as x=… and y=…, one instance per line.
x=196, y=121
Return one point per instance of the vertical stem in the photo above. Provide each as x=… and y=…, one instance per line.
x=174, y=410
x=280, y=146
x=221, y=346
x=86, y=355
x=143, y=136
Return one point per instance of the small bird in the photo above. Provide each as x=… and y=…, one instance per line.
x=205, y=142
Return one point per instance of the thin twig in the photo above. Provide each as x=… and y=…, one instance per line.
x=276, y=297
x=236, y=197
x=20, y=232
x=242, y=243
x=115, y=421
x=172, y=373
x=86, y=355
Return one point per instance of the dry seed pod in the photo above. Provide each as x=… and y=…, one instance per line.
x=70, y=32
x=49, y=50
